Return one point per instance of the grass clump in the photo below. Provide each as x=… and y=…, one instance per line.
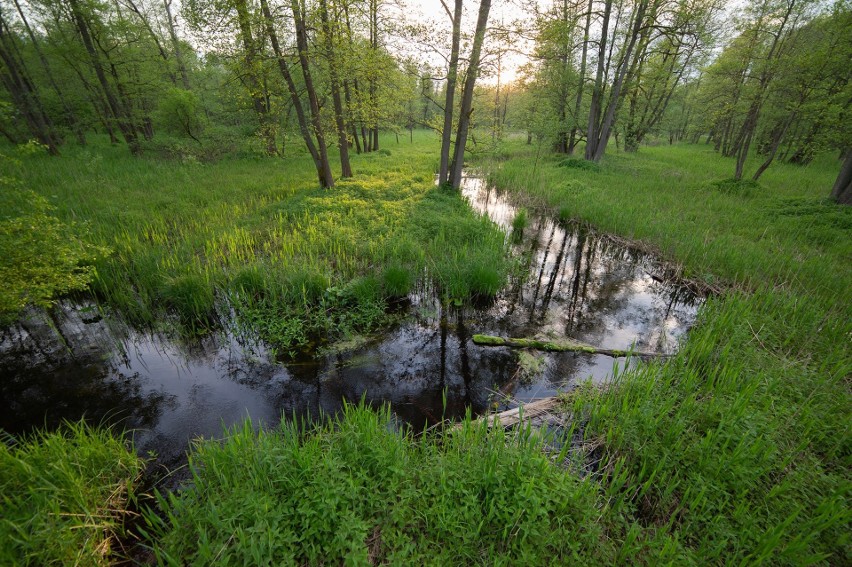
x=191, y=298
x=519, y=223
x=397, y=281
x=581, y=164
x=484, y=280
x=65, y=497
x=741, y=187
x=357, y=491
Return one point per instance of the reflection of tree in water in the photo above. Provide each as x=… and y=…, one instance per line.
x=589, y=284
x=64, y=370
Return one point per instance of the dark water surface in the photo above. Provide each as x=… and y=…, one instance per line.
x=579, y=284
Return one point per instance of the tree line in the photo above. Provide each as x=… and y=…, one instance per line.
x=771, y=79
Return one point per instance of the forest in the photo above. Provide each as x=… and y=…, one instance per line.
x=269, y=267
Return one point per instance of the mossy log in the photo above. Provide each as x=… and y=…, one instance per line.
x=559, y=346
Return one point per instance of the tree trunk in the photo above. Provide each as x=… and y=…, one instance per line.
x=597, y=90
x=325, y=177
x=184, y=77
x=842, y=190
x=559, y=346
x=466, y=109
x=342, y=138
x=572, y=141
x=604, y=128
x=750, y=125
x=73, y=122
x=116, y=107
x=449, y=99
x=776, y=142
x=283, y=67
x=23, y=92
x=251, y=60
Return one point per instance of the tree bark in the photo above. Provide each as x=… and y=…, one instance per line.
x=325, y=177
x=342, y=138
x=466, y=109
x=559, y=346
x=449, y=99
x=842, y=190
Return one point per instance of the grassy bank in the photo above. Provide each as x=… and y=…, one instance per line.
x=64, y=497
x=738, y=449
x=189, y=243
x=357, y=492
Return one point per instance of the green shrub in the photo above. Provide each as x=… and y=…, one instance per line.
x=41, y=258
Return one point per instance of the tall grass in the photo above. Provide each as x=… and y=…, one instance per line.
x=187, y=240
x=357, y=491
x=737, y=450
x=64, y=497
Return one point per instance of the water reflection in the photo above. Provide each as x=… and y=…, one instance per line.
x=578, y=284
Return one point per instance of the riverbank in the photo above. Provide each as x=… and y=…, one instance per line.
x=738, y=448
x=735, y=450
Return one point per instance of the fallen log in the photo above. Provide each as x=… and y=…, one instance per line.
x=524, y=412
x=559, y=346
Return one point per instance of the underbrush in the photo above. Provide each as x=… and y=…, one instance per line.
x=357, y=491
x=65, y=497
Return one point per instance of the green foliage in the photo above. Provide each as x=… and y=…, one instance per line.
x=356, y=491
x=179, y=113
x=41, y=258
x=65, y=496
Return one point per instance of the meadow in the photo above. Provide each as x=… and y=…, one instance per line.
x=736, y=450
x=252, y=243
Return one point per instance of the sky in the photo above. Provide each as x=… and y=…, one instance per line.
x=503, y=11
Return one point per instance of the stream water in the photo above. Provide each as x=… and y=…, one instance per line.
x=580, y=284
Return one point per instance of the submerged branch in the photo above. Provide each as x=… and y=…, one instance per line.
x=559, y=346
